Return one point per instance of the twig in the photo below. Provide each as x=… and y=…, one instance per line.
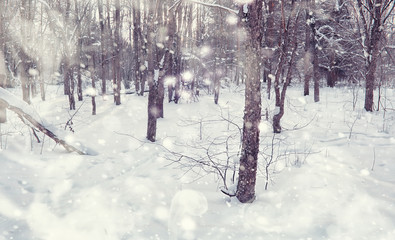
x=35, y=135
x=374, y=158
x=70, y=121
x=215, y=6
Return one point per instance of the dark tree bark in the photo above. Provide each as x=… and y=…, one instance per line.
x=290, y=43
x=161, y=59
x=170, y=62
x=333, y=72
x=117, y=54
x=151, y=76
x=316, y=73
x=136, y=44
x=270, y=41
x=102, y=47
x=69, y=79
x=78, y=56
x=144, y=50
x=308, y=51
x=373, y=15
x=252, y=112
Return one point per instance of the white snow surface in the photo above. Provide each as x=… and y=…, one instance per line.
x=332, y=176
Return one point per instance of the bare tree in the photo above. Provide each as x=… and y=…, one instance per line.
x=156, y=56
x=372, y=17
x=308, y=69
x=137, y=37
x=288, y=43
x=117, y=54
x=271, y=35
x=103, y=45
x=252, y=18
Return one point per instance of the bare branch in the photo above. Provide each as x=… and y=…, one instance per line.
x=233, y=11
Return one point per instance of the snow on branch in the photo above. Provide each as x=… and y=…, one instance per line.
x=214, y=6
x=25, y=112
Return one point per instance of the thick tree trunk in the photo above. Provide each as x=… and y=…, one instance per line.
x=316, y=73
x=152, y=77
x=152, y=109
x=252, y=117
x=117, y=54
x=252, y=112
x=373, y=52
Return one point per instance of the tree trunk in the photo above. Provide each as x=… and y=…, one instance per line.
x=316, y=73
x=117, y=54
x=151, y=76
x=23, y=75
x=79, y=51
x=270, y=40
x=70, y=77
x=102, y=47
x=92, y=71
x=252, y=117
x=136, y=45
x=252, y=112
x=308, y=51
x=217, y=80
x=373, y=53
x=281, y=98
x=79, y=84
x=66, y=79
x=161, y=94
x=152, y=109
x=177, y=58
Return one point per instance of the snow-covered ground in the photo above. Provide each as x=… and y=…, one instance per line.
x=332, y=174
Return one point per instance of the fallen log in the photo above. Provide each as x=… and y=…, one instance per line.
x=21, y=109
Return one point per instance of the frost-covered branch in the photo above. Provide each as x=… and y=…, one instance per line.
x=233, y=11
x=23, y=111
